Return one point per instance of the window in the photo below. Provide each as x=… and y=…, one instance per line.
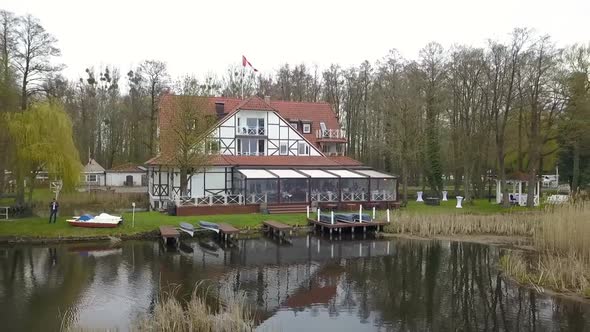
x=253, y=126
x=294, y=125
x=213, y=147
x=325, y=132
x=284, y=148
x=250, y=147
x=303, y=149
x=307, y=128
x=91, y=178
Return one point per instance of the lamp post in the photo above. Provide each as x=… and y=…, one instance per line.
x=133, y=215
x=489, y=185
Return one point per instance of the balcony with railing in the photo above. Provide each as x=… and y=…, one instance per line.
x=251, y=131
x=331, y=135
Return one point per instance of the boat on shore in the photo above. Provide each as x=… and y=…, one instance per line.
x=209, y=225
x=187, y=228
x=103, y=220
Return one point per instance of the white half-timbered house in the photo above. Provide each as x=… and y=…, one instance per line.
x=281, y=155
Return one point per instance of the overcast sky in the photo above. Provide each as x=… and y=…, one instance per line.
x=199, y=37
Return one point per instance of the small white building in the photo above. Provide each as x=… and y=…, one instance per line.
x=93, y=174
x=126, y=175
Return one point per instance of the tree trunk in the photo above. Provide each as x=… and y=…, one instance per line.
x=502, y=174
x=183, y=182
x=576, y=167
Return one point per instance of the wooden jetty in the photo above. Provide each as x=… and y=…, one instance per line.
x=338, y=226
x=169, y=235
x=275, y=227
x=227, y=232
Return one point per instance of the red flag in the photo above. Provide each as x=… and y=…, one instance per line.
x=246, y=62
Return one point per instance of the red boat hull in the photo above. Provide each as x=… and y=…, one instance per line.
x=88, y=224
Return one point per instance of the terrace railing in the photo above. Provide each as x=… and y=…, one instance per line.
x=253, y=131
x=257, y=198
x=223, y=199
x=331, y=133
x=382, y=196
x=353, y=197
x=323, y=197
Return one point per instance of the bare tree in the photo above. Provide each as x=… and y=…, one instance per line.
x=34, y=49
x=155, y=76
x=184, y=134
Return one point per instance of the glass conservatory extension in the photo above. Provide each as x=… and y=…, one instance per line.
x=313, y=185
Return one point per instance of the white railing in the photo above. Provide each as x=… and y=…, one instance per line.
x=382, y=196
x=323, y=197
x=256, y=131
x=222, y=199
x=331, y=133
x=255, y=198
x=250, y=153
x=353, y=197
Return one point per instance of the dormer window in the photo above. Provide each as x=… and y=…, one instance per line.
x=295, y=125
x=307, y=128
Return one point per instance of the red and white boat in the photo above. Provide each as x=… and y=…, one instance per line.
x=103, y=220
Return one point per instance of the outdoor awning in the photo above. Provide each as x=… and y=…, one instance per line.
x=374, y=174
x=317, y=174
x=287, y=174
x=256, y=174
x=346, y=174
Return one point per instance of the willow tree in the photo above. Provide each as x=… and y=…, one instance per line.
x=43, y=140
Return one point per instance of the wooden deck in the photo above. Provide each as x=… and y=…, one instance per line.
x=227, y=232
x=169, y=235
x=277, y=227
x=338, y=226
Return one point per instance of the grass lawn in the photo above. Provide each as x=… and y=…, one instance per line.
x=149, y=221
x=144, y=222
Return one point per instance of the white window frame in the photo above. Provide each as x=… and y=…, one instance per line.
x=307, y=128
x=284, y=145
x=303, y=146
x=89, y=176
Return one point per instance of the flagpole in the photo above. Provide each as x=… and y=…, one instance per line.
x=243, y=71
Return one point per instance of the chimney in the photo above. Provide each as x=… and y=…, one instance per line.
x=267, y=99
x=219, y=109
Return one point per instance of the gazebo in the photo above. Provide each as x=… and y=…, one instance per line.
x=518, y=182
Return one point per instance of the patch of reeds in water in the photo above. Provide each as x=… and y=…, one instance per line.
x=563, y=261
x=521, y=224
x=229, y=314
x=565, y=230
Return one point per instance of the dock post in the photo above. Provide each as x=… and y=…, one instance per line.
x=388, y=220
x=307, y=211
x=360, y=212
x=331, y=219
x=373, y=213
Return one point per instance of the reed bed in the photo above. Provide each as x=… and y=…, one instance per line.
x=516, y=224
x=229, y=313
x=557, y=272
x=565, y=230
x=232, y=314
x=563, y=260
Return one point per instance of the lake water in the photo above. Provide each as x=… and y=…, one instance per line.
x=311, y=284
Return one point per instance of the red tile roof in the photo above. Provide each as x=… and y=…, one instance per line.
x=290, y=110
x=291, y=161
x=314, y=112
x=126, y=168
x=311, y=112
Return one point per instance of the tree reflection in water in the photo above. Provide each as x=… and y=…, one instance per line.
x=397, y=285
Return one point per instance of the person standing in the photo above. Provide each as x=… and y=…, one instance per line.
x=53, y=207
